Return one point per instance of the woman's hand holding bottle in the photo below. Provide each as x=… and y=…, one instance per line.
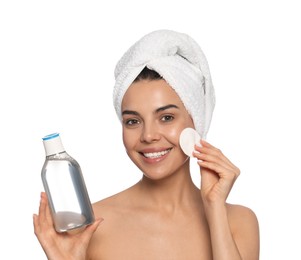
x=61, y=246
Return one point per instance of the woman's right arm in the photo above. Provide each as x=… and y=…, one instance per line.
x=60, y=246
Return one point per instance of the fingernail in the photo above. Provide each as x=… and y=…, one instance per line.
x=199, y=144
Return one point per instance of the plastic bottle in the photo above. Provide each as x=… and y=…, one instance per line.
x=65, y=187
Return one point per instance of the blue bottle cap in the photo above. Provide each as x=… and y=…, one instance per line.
x=48, y=137
x=53, y=144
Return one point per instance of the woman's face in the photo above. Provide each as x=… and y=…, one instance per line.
x=153, y=118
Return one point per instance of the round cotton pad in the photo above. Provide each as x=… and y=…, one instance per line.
x=188, y=138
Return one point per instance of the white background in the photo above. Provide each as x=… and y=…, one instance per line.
x=57, y=60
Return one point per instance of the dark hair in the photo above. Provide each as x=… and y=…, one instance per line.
x=148, y=74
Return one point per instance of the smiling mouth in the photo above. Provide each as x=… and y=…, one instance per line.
x=156, y=155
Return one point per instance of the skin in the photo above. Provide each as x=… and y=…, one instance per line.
x=164, y=215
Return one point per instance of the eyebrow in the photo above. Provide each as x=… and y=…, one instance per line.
x=166, y=107
x=160, y=109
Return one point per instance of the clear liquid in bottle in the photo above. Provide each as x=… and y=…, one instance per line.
x=65, y=187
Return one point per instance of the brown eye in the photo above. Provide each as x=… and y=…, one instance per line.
x=131, y=122
x=167, y=118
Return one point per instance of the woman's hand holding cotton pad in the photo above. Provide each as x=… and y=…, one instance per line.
x=189, y=137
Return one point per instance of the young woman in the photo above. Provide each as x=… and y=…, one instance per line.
x=163, y=86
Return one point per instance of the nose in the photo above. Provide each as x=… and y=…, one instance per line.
x=149, y=133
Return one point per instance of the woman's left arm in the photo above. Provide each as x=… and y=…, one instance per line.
x=234, y=229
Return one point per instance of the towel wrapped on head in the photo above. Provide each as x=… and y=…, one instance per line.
x=181, y=63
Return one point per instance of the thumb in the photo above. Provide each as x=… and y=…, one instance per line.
x=89, y=231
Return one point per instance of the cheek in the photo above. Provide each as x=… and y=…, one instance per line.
x=175, y=131
x=173, y=134
x=128, y=138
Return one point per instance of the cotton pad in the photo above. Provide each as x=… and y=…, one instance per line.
x=188, y=139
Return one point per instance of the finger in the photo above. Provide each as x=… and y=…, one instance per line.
x=36, y=224
x=42, y=209
x=217, y=152
x=87, y=234
x=219, y=169
x=40, y=218
x=210, y=149
x=213, y=159
x=216, y=159
x=48, y=216
x=45, y=212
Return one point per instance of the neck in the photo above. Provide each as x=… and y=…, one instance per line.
x=170, y=193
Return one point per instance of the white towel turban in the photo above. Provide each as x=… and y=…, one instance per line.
x=181, y=63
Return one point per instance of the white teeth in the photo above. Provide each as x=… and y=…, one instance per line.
x=156, y=155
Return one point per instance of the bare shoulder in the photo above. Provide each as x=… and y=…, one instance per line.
x=241, y=217
x=240, y=213
x=112, y=209
x=119, y=214
x=245, y=229
x=118, y=202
